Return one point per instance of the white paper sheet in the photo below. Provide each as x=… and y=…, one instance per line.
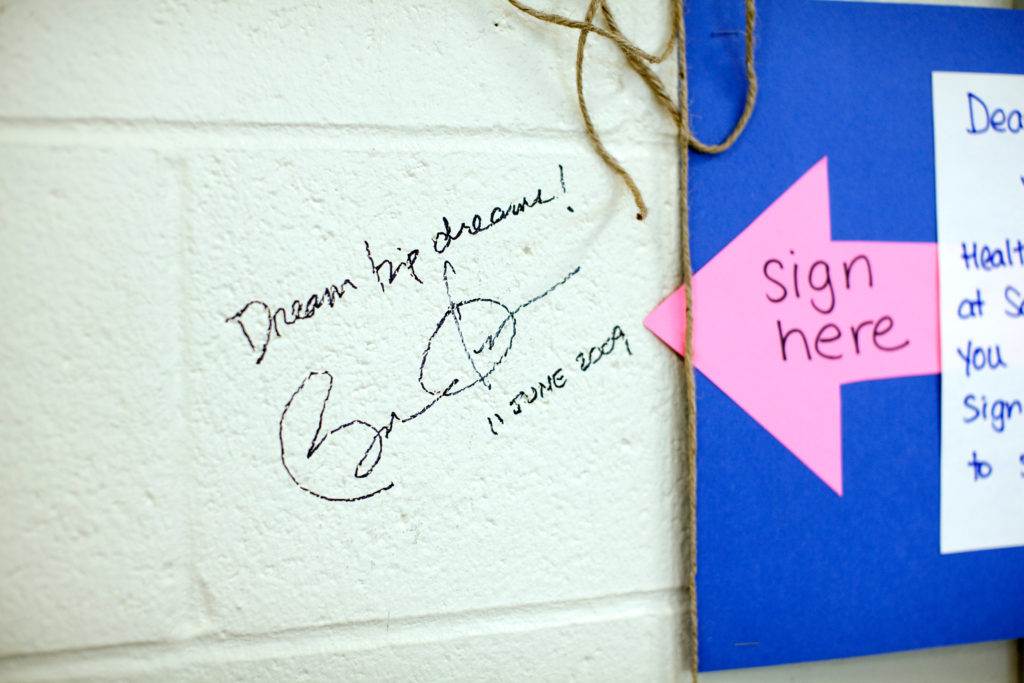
x=979, y=180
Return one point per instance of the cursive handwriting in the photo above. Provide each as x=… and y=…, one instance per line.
x=444, y=239
x=393, y=271
x=450, y=365
x=260, y=323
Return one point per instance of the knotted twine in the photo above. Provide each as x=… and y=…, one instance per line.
x=640, y=62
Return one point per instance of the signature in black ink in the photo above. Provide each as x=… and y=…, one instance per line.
x=256, y=316
x=449, y=366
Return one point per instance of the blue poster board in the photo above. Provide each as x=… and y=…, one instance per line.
x=788, y=570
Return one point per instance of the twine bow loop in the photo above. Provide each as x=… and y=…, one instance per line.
x=640, y=62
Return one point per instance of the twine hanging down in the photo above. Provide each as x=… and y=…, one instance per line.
x=677, y=109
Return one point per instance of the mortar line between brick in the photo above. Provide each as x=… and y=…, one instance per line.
x=201, y=606
x=339, y=637
x=174, y=133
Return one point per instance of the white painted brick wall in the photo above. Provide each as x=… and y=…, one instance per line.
x=161, y=164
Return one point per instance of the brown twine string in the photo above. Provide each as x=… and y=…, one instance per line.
x=640, y=62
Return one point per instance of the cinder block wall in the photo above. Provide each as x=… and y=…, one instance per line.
x=162, y=163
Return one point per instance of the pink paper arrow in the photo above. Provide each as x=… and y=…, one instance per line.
x=784, y=315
